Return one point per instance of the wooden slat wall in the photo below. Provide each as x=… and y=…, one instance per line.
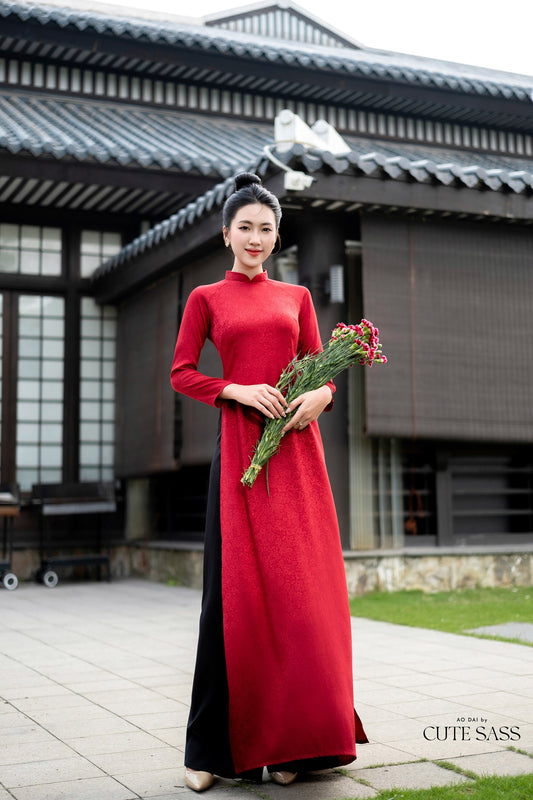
x=454, y=304
x=200, y=421
x=147, y=326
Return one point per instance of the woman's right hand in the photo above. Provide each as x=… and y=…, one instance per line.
x=266, y=399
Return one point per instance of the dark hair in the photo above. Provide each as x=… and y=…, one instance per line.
x=249, y=189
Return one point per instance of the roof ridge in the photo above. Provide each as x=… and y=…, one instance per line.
x=369, y=63
x=263, y=6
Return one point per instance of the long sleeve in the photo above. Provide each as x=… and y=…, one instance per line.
x=194, y=330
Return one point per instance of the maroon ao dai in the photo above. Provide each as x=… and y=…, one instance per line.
x=287, y=632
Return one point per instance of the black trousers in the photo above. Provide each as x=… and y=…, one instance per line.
x=208, y=743
x=208, y=746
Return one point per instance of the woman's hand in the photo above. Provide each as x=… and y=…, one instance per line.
x=309, y=406
x=266, y=399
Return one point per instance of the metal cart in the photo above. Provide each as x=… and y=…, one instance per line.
x=72, y=499
x=9, y=509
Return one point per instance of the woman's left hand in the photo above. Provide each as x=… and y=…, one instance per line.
x=309, y=406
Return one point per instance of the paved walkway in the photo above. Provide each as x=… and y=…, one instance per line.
x=95, y=681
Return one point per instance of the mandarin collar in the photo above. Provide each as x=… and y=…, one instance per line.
x=240, y=276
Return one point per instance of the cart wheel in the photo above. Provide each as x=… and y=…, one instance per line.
x=10, y=581
x=50, y=578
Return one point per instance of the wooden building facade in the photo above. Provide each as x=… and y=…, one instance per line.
x=407, y=193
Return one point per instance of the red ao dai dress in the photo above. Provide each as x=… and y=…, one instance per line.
x=275, y=633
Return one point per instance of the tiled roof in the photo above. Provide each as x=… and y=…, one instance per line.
x=186, y=217
x=126, y=135
x=423, y=164
x=370, y=158
x=367, y=63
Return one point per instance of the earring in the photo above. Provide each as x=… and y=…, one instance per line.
x=226, y=243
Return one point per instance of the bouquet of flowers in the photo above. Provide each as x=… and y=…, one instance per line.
x=348, y=345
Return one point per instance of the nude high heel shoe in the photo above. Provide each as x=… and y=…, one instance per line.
x=198, y=781
x=283, y=778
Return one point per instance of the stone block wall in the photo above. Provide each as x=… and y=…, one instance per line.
x=388, y=571
x=437, y=572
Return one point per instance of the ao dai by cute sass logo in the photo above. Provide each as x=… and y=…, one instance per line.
x=472, y=729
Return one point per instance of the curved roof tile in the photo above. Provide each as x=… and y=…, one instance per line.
x=105, y=132
x=385, y=160
x=373, y=63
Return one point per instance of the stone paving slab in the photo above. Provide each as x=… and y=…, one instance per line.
x=95, y=683
x=375, y=754
x=502, y=763
x=330, y=786
x=153, y=783
x=420, y=775
x=131, y=742
x=46, y=750
x=91, y=789
x=34, y=773
x=508, y=630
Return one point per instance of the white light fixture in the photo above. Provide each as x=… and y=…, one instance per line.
x=287, y=265
x=290, y=129
x=336, y=283
x=294, y=180
x=331, y=140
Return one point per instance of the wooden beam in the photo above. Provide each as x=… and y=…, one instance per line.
x=88, y=172
x=56, y=217
x=419, y=196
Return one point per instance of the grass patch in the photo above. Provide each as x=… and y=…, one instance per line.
x=518, y=787
x=454, y=612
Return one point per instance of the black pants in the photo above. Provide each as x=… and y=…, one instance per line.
x=208, y=745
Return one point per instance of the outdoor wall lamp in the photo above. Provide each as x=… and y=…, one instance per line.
x=294, y=179
x=287, y=265
x=335, y=284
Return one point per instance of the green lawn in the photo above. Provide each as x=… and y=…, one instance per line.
x=489, y=788
x=454, y=612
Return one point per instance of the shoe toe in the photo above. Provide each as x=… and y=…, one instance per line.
x=283, y=778
x=198, y=781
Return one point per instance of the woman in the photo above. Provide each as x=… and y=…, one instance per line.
x=273, y=681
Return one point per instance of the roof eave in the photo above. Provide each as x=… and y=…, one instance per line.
x=364, y=192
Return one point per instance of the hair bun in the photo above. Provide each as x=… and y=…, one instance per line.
x=246, y=179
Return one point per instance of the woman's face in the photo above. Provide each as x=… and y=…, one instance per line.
x=252, y=235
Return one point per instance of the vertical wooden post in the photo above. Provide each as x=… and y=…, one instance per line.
x=71, y=395
x=443, y=488
x=321, y=243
